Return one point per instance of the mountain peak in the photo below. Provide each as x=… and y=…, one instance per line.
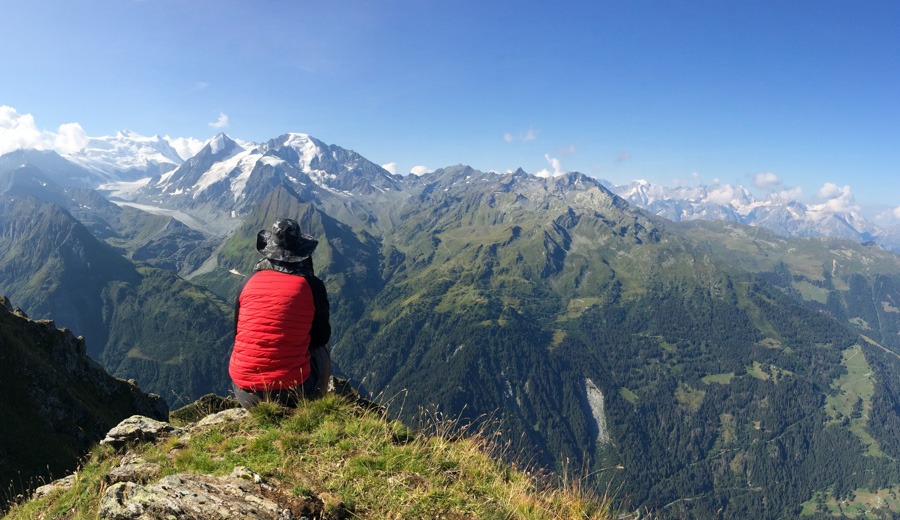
x=221, y=143
x=295, y=138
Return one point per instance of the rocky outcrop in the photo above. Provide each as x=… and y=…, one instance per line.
x=596, y=403
x=133, y=469
x=136, y=429
x=137, y=487
x=188, y=496
x=136, y=492
x=206, y=405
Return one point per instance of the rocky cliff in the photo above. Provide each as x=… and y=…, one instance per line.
x=56, y=401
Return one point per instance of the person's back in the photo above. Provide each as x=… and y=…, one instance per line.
x=281, y=322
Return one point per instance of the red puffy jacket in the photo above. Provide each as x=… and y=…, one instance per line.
x=274, y=320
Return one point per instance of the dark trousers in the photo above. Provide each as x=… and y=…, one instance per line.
x=315, y=385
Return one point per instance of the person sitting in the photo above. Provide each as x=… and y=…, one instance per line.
x=282, y=324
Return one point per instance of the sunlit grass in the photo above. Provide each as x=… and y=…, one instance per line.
x=354, y=460
x=852, y=401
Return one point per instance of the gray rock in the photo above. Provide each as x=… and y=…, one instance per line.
x=225, y=416
x=138, y=428
x=133, y=469
x=189, y=497
x=251, y=476
x=61, y=484
x=206, y=405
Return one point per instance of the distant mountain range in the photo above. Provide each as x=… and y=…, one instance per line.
x=717, y=368
x=784, y=216
x=225, y=173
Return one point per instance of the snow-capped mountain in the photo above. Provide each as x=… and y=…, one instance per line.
x=227, y=176
x=218, y=183
x=126, y=156
x=58, y=169
x=687, y=203
x=332, y=167
x=736, y=204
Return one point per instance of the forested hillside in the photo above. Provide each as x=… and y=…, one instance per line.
x=141, y=321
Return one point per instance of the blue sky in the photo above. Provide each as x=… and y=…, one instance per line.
x=790, y=94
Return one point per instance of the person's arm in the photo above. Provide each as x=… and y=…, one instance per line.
x=237, y=304
x=320, y=333
x=237, y=310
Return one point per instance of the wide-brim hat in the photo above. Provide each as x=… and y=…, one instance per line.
x=285, y=242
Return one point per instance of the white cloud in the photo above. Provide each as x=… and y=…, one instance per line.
x=723, y=194
x=70, y=139
x=221, y=122
x=186, y=147
x=836, y=198
x=508, y=138
x=889, y=217
x=830, y=190
x=766, y=180
x=530, y=135
x=789, y=194
x=18, y=131
x=391, y=167
x=555, y=164
x=420, y=170
x=623, y=156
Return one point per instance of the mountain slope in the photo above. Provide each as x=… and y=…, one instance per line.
x=855, y=284
x=142, y=322
x=596, y=333
x=60, y=170
x=126, y=156
x=226, y=177
x=53, y=266
x=57, y=402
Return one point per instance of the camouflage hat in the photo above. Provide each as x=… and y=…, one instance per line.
x=285, y=242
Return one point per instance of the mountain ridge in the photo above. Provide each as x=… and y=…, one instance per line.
x=127, y=157
x=777, y=212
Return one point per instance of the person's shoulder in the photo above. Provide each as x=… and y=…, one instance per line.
x=313, y=279
x=314, y=282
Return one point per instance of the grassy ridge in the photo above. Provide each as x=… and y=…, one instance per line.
x=852, y=400
x=352, y=462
